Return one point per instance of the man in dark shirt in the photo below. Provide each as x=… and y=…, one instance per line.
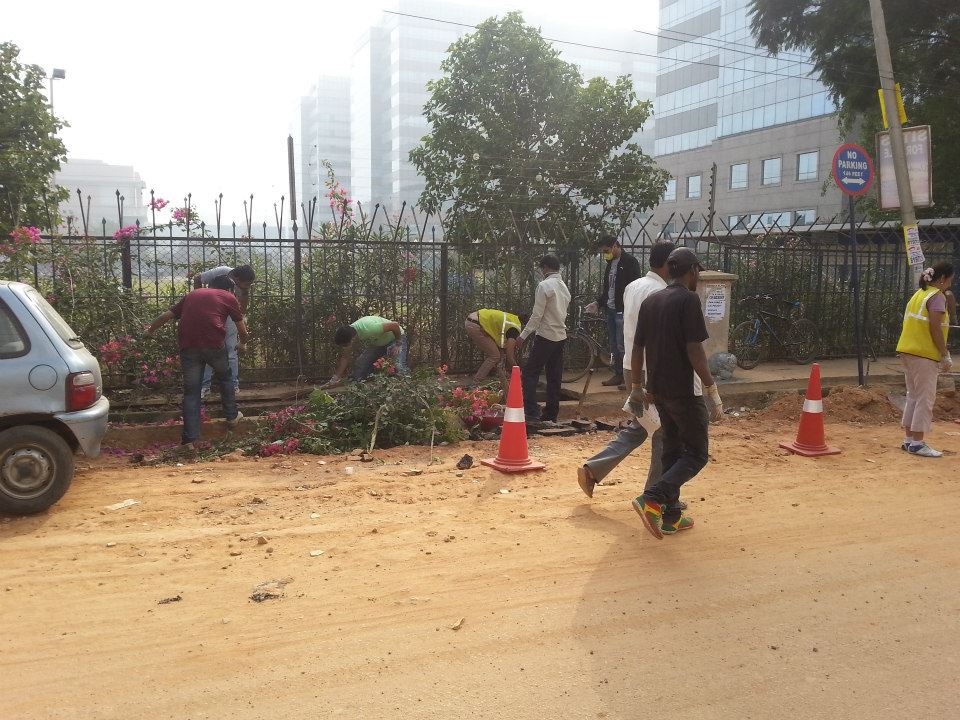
x=671, y=331
x=621, y=270
x=202, y=330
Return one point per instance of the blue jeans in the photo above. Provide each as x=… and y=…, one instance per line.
x=366, y=359
x=685, y=424
x=615, y=333
x=230, y=342
x=192, y=362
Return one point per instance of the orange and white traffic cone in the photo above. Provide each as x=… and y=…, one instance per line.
x=811, y=440
x=512, y=456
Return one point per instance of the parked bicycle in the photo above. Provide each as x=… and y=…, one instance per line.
x=583, y=350
x=750, y=341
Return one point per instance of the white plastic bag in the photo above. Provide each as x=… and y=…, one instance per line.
x=649, y=421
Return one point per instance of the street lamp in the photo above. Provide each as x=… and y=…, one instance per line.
x=57, y=74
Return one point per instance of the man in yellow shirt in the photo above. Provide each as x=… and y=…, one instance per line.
x=493, y=331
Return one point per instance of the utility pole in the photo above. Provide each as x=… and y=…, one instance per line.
x=885, y=67
x=712, y=206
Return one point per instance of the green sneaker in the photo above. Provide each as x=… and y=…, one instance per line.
x=652, y=515
x=684, y=523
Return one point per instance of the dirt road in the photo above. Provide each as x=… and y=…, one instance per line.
x=808, y=589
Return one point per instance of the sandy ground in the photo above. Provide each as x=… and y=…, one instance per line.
x=808, y=589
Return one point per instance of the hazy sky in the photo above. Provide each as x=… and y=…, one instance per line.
x=198, y=96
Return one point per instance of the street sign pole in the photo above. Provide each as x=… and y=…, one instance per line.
x=855, y=268
x=853, y=173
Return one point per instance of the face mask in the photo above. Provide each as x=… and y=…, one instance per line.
x=608, y=256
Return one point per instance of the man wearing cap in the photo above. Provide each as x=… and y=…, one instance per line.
x=634, y=434
x=670, y=333
x=621, y=270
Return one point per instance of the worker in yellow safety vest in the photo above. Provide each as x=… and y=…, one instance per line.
x=923, y=352
x=493, y=331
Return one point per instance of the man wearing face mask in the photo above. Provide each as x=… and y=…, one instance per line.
x=622, y=269
x=671, y=331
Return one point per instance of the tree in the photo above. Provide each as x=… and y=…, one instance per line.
x=521, y=147
x=925, y=44
x=30, y=150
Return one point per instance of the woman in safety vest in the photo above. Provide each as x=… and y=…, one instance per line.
x=923, y=352
x=491, y=331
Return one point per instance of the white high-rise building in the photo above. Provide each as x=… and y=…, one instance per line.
x=396, y=58
x=99, y=183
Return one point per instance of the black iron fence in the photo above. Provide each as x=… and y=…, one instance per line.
x=308, y=286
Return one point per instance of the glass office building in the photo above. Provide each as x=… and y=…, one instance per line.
x=767, y=122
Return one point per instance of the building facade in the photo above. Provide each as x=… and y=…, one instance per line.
x=767, y=122
x=99, y=183
x=322, y=127
x=396, y=58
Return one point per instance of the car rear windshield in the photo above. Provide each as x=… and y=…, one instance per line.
x=58, y=324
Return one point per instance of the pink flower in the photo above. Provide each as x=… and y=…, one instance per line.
x=125, y=233
x=158, y=203
x=25, y=235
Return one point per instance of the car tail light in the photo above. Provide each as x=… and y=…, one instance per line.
x=82, y=390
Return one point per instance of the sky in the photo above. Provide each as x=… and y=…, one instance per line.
x=199, y=96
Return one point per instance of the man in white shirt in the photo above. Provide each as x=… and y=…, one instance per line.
x=548, y=321
x=634, y=435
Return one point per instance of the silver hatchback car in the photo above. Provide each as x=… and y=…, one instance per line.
x=52, y=403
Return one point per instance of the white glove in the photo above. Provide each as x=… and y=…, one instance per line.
x=946, y=364
x=592, y=309
x=716, y=409
x=636, y=401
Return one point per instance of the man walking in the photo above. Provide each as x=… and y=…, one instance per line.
x=493, y=331
x=632, y=436
x=242, y=278
x=622, y=269
x=202, y=331
x=671, y=331
x=380, y=338
x=548, y=322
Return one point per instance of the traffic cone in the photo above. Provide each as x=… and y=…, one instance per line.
x=512, y=456
x=810, y=440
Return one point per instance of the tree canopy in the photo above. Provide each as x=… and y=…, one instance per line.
x=30, y=150
x=925, y=46
x=522, y=147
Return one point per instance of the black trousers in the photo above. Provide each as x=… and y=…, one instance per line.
x=544, y=355
x=684, y=422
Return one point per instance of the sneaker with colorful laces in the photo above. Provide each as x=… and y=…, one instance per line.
x=682, y=523
x=651, y=513
x=924, y=450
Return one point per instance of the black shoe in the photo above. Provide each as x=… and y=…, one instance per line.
x=615, y=380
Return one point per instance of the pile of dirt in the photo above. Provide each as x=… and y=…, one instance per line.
x=947, y=407
x=844, y=403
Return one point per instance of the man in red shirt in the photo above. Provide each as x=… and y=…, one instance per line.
x=202, y=330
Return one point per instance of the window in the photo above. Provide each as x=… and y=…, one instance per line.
x=737, y=222
x=13, y=341
x=806, y=217
x=807, y=166
x=738, y=176
x=669, y=229
x=693, y=226
x=670, y=194
x=693, y=187
x=58, y=324
x=771, y=171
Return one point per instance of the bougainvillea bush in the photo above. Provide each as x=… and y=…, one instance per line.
x=387, y=409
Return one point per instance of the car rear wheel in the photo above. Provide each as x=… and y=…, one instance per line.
x=36, y=467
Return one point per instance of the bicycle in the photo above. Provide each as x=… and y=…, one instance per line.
x=582, y=350
x=750, y=340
